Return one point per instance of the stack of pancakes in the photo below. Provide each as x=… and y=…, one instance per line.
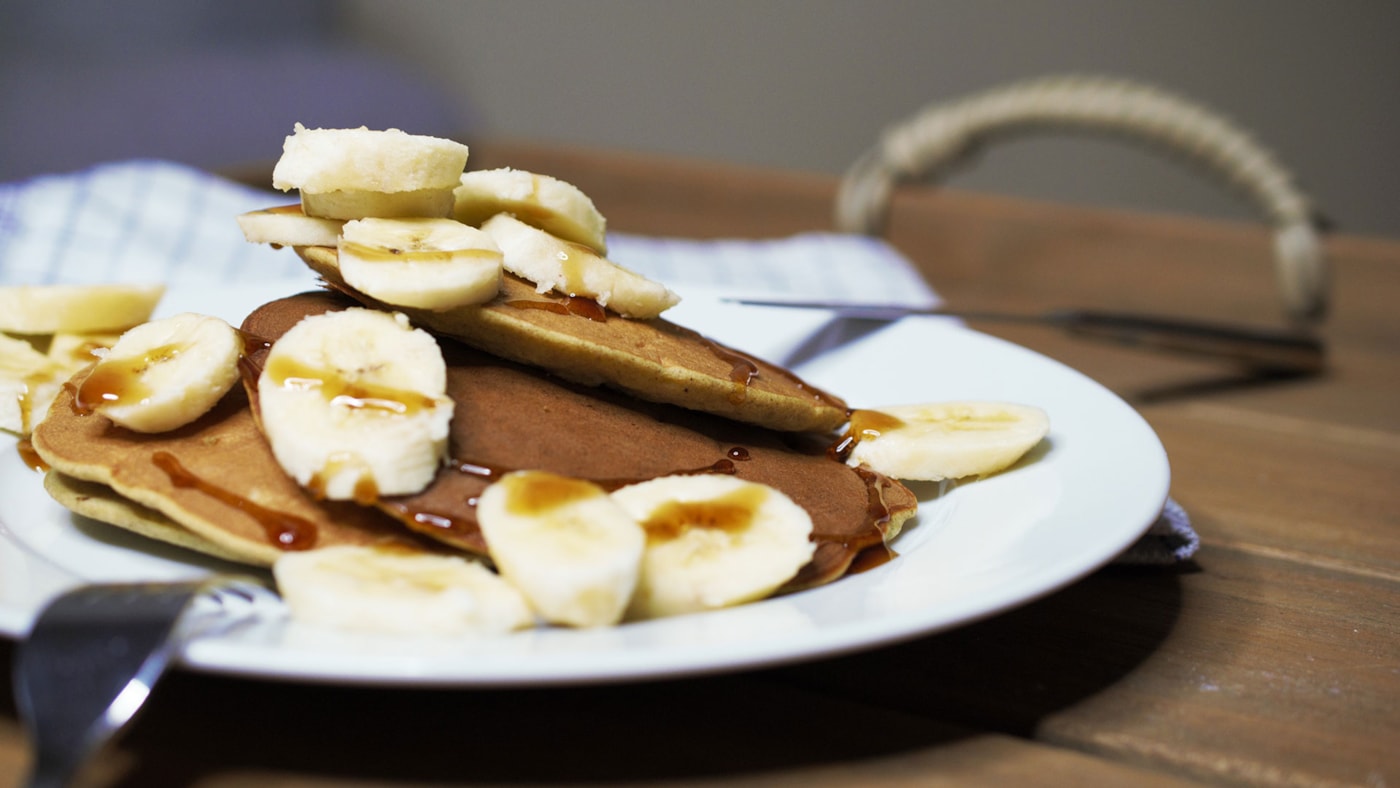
x=540, y=382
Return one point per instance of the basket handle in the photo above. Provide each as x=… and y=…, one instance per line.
x=927, y=144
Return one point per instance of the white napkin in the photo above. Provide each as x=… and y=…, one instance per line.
x=157, y=221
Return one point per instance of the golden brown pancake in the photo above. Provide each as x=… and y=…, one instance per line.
x=215, y=478
x=655, y=360
x=512, y=417
x=102, y=503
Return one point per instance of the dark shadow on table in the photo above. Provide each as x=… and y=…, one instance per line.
x=1009, y=672
x=1004, y=674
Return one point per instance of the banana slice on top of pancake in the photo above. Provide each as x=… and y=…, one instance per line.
x=354, y=405
x=713, y=541
x=573, y=269
x=555, y=206
x=163, y=374
x=425, y=263
x=355, y=173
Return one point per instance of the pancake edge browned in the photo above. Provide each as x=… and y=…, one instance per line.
x=99, y=502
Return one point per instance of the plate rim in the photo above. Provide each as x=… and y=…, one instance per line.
x=226, y=655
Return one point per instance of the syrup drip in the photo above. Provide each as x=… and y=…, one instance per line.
x=287, y=531
x=871, y=557
x=863, y=424
x=745, y=369
x=352, y=394
x=730, y=513
x=877, y=511
x=31, y=458
x=540, y=492
x=723, y=466
x=365, y=492
x=570, y=305
x=118, y=381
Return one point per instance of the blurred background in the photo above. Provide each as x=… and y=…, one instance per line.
x=794, y=84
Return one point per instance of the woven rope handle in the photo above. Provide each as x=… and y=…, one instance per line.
x=927, y=144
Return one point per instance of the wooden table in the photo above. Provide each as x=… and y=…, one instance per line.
x=1272, y=659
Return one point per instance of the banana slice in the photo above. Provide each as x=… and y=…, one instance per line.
x=353, y=405
x=287, y=225
x=354, y=173
x=564, y=543
x=542, y=201
x=163, y=374
x=359, y=204
x=944, y=440
x=50, y=309
x=574, y=269
x=72, y=352
x=385, y=591
x=332, y=160
x=29, y=381
x=422, y=263
x=712, y=542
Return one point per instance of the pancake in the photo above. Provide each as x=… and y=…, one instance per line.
x=215, y=479
x=509, y=416
x=654, y=360
x=100, y=502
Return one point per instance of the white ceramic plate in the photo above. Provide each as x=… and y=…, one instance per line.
x=976, y=549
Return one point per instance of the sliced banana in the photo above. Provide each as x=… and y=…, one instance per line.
x=422, y=263
x=29, y=380
x=50, y=309
x=75, y=351
x=359, y=204
x=542, y=201
x=354, y=173
x=334, y=160
x=353, y=404
x=164, y=374
x=944, y=440
x=712, y=542
x=574, y=269
x=387, y=591
x=564, y=543
x=287, y=225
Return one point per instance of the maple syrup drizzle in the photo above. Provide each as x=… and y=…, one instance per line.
x=30, y=457
x=745, y=369
x=117, y=381
x=540, y=492
x=861, y=424
x=872, y=557
x=723, y=466
x=286, y=531
x=877, y=510
x=365, y=491
x=569, y=305
x=341, y=391
x=730, y=513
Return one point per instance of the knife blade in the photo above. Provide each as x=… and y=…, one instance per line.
x=1263, y=350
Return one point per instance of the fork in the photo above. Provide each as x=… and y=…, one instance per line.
x=95, y=652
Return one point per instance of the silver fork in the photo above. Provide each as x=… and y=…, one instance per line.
x=95, y=652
